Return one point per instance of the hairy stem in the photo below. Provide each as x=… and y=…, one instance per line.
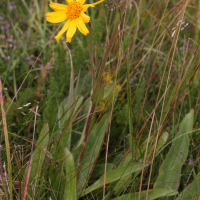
x=92, y=69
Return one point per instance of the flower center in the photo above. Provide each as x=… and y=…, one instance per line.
x=74, y=10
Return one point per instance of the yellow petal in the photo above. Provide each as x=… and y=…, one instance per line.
x=81, y=26
x=56, y=17
x=82, y=2
x=58, y=7
x=71, y=31
x=85, y=17
x=98, y=2
x=65, y=27
x=69, y=1
x=86, y=6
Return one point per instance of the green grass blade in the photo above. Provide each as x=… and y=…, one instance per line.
x=132, y=137
x=70, y=186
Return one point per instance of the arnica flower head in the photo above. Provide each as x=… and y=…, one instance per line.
x=74, y=13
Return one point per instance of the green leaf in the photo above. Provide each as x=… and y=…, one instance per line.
x=121, y=185
x=64, y=109
x=115, y=175
x=190, y=192
x=85, y=111
x=108, y=90
x=161, y=142
x=93, y=147
x=195, y=182
x=63, y=131
x=100, y=169
x=152, y=194
x=98, y=94
x=170, y=170
x=70, y=185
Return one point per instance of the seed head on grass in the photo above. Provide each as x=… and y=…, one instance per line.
x=114, y=4
x=75, y=15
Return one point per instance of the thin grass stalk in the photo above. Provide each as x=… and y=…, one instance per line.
x=181, y=97
x=145, y=157
x=30, y=68
x=6, y=141
x=107, y=142
x=110, y=118
x=161, y=114
x=129, y=105
x=30, y=161
x=158, y=132
x=175, y=40
x=159, y=101
x=106, y=159
x=109, y=47
x=159, y=24
x=153, y=44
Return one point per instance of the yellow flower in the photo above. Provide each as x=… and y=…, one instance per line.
x=75, y=15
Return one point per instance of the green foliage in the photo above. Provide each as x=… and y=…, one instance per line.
x=51, y=103
x=152, y=194
x=115, y=175
x=37, y=167
x=164, y=87
x=92, y=150
x=70, y=186
x=97, y=94
x=190, y=192
x=170, y=170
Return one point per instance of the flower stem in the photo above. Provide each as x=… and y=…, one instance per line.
x=109, y=47
x=93, y=69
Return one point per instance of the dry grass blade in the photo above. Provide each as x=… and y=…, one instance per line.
x=6, y=140
x=30, y=162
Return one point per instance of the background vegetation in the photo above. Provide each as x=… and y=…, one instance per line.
x=143, y=141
